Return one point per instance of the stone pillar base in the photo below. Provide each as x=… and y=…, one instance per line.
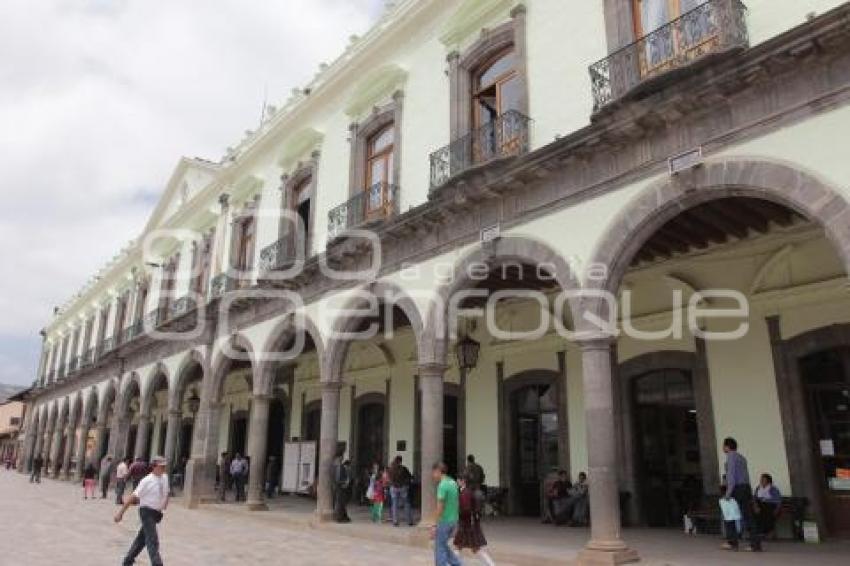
x=257, y=506
x=324, y=517
x=606, y=555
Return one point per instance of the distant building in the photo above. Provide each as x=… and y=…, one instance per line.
x=11, y=420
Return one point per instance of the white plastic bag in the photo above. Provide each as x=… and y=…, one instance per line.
x=730, y=509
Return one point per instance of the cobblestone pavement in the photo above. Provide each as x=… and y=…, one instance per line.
x=51, y=524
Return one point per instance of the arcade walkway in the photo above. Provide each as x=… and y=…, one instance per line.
x=51, y=524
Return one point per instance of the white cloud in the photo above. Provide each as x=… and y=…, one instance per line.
x=98, y=100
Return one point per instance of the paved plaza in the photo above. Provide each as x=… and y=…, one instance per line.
x=50, y=524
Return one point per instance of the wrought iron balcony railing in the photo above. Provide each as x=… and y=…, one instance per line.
x=87, y=358
x=713, y=27
x=153, y=319
x=219, y=285
x=107, y=345
x=378, y=202
x=182, y=306
x=507, y=136
x=278, y=256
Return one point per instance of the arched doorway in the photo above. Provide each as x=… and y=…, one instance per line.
x=667, y=445
x=826, y=384
x=311, y=421
x=534, y=426
x=370, y=431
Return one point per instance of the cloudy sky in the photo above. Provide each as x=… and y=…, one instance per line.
x=99, y=99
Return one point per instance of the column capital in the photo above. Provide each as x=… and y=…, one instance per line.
x=432, y=369
x=592, y=341
x=333, y=386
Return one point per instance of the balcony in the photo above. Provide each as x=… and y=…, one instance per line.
x=279, y=256
x=87, y=358
x=182, y=306
x=379, y=202
x=507, y=136
x=219, y=285
x=712, y=28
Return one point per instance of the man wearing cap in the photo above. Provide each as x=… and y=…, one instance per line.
x=151, y=495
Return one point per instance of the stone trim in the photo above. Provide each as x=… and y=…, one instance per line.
x=462, y=66
x=803, y=469
x=505, y=250
x=633, y=368
x=361, y=132
x=510, y=385
x=768, y=180
x=388, y=295
x=303, y=171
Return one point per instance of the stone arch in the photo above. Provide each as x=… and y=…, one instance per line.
x=181, y=378
x=387, y=293
x=502, y=251
x=281, y=335
x=132, y=384
x=782, y=183
x=159, y=372
x=222, y=362
x=108, y=398
x=90, y=403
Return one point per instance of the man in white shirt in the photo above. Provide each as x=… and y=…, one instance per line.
x=239, y=471
x=151, y=495
x=121, y=481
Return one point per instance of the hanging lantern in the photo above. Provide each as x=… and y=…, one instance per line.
x=467, y=351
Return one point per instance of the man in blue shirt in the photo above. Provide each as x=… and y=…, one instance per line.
x=738, y=488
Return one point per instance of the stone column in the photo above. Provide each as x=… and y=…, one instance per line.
x=606, y=545
x=37, y=442
x=431, y=394
x=141, y=448
x=172, y=429
x=200, y=470
x=85, y=424
x=257, y=439
x=47, y=443
x=100, y=441
x=71, y=434
x=329, y=440
x=56, y=447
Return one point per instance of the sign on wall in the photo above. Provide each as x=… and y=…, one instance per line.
x=299, y=467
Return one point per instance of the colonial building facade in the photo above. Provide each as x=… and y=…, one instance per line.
x=598, y=235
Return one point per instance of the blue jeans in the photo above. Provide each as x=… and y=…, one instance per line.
x=147, y=537
x=443, y=553
x=400, y=497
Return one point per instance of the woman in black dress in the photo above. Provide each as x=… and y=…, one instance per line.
x=469, y=534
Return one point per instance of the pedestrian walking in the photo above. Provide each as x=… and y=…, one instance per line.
x=469, y=533
x=475, y=478
x=400, y=478
x=138, y=470
x=342, y=489
x=122, y=472
x=151, y=495
x=37, y=464
x=105, y=473
x=89, y=475
x=375, y=493
x=239, y=472
x=446, y=515
x=738, y=488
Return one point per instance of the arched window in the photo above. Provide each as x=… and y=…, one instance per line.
x=496, y=88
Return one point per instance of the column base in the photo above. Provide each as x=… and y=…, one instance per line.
x=324, y=516
x=606, y=553
x=257, y=506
